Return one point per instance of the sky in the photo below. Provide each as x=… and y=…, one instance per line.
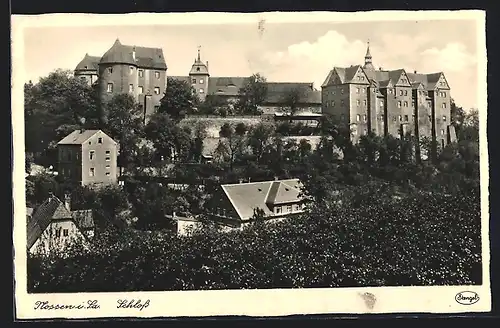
x=294, y=52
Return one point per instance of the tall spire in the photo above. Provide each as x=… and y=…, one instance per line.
x=368, y=57
x=199, y=59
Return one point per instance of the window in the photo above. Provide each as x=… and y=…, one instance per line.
x=108, y=159
x=362, y=78
x=400, y=118
x=357, y=117
x=278, y=210
x=364, y=90
x=91, y=155
x=289, y=208
x=58, y=233
x=92, y=171
x=193, y=81
x=381, y=103
x=197, y=69
x=354, y=132
x=430, y=118
x=333, y=103
x=429, y=104
x=141, y=107
x=444, y=118
x=342, y=103
x=157, y=107
x=382, y=117
x=333, y=92
x=108, y=166
x=130, y=88
x=395, y=118
x=99, y=140
x=110, y=70
x=65, y=232
x=131, y=70
x=406, y=118
x=141, y=73
x=141, y=90
x=399, y=104
x=444, y=94
x=110, y=87
x=364, y=102
x=406, y=92
x=107, y=173
x=364, y=118
x=389, y=91
x=365, y=131
x=357, y=90
x=358, y=102
x=157, y=75
x=201, y=81
x=406, y=104
x=359, y=78
x=442, y=132
x=157, y=90
x=444, y=105
x=400, y=92
x=201, y=90
x=342, y=91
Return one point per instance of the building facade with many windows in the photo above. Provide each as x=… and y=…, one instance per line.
x=139, y=71
x=389, y=102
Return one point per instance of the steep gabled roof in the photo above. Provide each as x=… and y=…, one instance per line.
x=144, y=56
x=276, y=91
x=226, y=85
x=88, y=63
x=51, y=209
x=79, y=137
x=247, y=197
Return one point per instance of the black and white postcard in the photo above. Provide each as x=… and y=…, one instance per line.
x=266, y=164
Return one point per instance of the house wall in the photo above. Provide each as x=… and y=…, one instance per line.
x=336, y=101
x=184, y=227
x=199, y=82
x=89, y=76
x=70, y=163
x=103, y=163
x=54, y=239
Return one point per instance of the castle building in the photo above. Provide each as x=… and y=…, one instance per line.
x=389, y=102
x=228, y=88
x=139, y=71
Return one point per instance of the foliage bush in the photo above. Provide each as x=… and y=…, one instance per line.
x=420, y=239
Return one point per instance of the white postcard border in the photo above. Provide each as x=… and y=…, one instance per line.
x=272, y=302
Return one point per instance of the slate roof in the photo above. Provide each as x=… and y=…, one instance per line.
x=51, y=209
x=277, y=90
x=78, y=137
x=226, y=85
x=88, y=63
x=246, y=197
x=145, y=57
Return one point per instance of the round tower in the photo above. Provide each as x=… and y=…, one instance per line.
x=88, y=69
x=199, y=76
x=118, y=71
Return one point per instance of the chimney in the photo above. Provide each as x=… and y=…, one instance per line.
x=207, y=64
x=67, y=201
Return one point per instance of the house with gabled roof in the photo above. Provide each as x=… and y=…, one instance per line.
x=53, y=226
x=88, y=158
x=389, y=102
x=240, y=203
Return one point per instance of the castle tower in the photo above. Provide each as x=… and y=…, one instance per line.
x=199, y=77
x=368, y=58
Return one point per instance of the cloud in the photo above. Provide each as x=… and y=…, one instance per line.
x=311, y=61
x=452, y=58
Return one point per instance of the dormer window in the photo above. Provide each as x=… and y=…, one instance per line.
x=110, y=70
x=201, y=81
x=157, y=75
x=197, y=69
x=141, y=73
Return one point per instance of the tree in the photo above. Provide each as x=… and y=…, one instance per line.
x=232, y=141
x=124, y=125
x=291, y=100
x=54, y=107
x=215, y=105
x=251, y=95
x=259, y=137
x=179, y=100
x=171, y=142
